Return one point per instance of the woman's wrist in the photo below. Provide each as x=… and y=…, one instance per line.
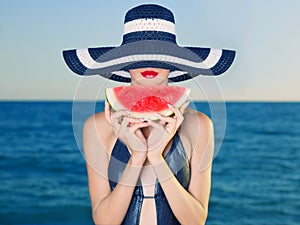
x=155, y=159
x=162, y=171
x=137, y=159
x=131, y=173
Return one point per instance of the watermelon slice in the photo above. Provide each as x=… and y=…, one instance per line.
x=145, y=101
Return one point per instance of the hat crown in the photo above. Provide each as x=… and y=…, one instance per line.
x=149, y=11
x=149, y=40
x=149, y=22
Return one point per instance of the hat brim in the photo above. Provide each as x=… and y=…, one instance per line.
x=114, y=62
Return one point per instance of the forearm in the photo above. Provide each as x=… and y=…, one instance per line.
x=187, y=209
x=112, y=209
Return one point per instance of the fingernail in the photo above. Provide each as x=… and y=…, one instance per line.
x=157, y=114
x=170, y=106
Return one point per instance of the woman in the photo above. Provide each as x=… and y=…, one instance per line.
x=147, y=172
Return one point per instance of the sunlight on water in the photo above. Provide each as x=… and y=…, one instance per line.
x=255, y=175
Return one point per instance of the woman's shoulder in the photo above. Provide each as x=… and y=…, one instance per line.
x=201, y=135
x=196, y=126
x=96, y=121
x=97, y=126
x=193, y=117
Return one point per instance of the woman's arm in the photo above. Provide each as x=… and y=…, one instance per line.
x=190, y=207
x=109, y=207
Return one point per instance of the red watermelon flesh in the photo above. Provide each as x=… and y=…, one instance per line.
x=145, y=101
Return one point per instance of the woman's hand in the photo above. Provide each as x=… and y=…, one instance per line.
x=128, y=130
x=162, y=132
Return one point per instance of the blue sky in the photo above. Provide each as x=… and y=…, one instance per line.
x=265, y=35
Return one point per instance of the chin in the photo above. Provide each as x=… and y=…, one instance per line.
x=157, y=81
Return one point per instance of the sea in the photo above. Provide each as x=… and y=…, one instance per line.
x=255, y=175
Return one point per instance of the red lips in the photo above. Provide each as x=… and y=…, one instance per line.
x=149, y=74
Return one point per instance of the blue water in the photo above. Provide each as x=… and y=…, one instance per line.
x=255, y=180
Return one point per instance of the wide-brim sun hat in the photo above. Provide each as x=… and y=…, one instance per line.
x=149, y=40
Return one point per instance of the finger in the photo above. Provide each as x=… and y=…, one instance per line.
x=158, y=135
x=184, y=106
x=168, y=123
x=136, y=126
x=117, y=115
x=166, y=119
x=174, y=110
x=123, y=125
x=139, y=134
x=156, y=125
x=116, y=126
x=134, y=120
x=161, y=122
x=117, y=119
x=107, y=112
x=178, y=115
x=177, y=119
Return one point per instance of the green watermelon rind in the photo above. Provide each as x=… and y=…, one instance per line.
x=116, y=106
x=113, y=101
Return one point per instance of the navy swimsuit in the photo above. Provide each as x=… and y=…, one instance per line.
x=178, y=162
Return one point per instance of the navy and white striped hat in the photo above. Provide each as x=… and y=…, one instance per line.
x=149, y=40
